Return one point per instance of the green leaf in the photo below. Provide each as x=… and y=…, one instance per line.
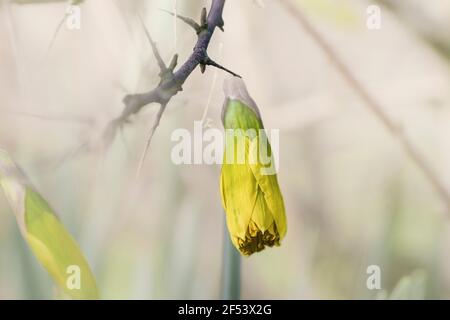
x=47, y=237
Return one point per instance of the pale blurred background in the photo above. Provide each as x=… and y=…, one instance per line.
x=353, y=197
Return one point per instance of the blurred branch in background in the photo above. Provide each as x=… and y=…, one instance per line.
x=63, y=19
x=374, y=106
x=424, y=26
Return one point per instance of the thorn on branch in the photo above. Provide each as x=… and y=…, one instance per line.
x=221, y=25
x=162, y=65
x=190, y=22
x=209, y=62
x=202, y=67
x=168, y=74
x=173, y=63
x=204, y=18
x=152, y=133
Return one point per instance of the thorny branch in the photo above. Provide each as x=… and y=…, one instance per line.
x=374, y=106
x=172, y=81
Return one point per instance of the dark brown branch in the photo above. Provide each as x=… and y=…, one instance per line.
x=171, y=82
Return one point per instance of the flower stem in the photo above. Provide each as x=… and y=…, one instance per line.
x=231, y=281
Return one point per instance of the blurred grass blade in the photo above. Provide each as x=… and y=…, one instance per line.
x=231, y=278
x=411, y=287
x=52, y=245
x=340, y=12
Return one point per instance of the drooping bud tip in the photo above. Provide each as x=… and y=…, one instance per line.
x=234, y=88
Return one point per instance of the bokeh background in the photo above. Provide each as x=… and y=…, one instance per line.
x=353, y=197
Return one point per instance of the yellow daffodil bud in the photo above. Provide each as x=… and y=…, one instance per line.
x=251, y=195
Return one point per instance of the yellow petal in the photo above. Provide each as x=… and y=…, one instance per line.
x=262, y=215
x=239, y=191
x=272, y=194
